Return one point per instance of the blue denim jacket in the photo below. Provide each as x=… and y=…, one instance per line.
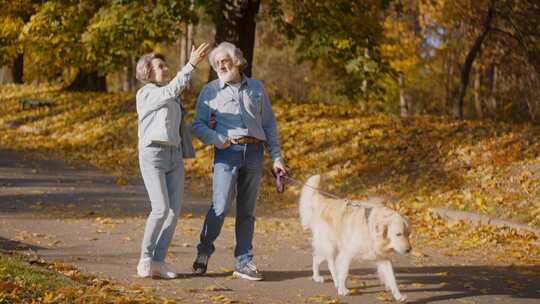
x=255, y=109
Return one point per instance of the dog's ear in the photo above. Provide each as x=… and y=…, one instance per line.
x=407, y=224
x=398, y=219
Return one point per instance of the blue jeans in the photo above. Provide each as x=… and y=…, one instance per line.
x=237, y=174
x=162, y=169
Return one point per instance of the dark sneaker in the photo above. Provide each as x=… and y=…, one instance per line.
x=248, y=272
x=200, y=264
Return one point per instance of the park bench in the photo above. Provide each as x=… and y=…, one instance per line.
x=27, y=103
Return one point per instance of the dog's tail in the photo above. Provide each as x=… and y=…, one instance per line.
x=306, y=200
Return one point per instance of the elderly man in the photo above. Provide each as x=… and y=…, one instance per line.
x=234, y=114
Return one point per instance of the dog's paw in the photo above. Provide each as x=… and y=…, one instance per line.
x=401, y=298
x=343, y=291
x=318, y=279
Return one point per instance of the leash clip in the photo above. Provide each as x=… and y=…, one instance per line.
x=353, y=203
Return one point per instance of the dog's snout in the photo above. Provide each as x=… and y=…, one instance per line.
x=408, y=250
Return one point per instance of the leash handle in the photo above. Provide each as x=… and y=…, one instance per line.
x=280, y=179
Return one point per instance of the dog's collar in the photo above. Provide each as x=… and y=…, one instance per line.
x=368, y=212
x=367, y=207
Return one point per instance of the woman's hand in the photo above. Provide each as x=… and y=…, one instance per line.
x=197, y=55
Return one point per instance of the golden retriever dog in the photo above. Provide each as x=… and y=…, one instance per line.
x=341, y=232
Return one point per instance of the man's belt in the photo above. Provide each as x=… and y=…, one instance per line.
x=245, y=140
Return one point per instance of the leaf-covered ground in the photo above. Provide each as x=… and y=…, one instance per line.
x=420, y=162
x=77, y=216
x=486, y=167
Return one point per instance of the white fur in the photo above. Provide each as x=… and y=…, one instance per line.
x=368, y=231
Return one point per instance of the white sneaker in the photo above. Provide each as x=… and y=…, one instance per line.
x=144, y=269
x=160, y=269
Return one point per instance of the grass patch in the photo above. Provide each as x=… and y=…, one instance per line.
x=20, y=281
x=29, y=279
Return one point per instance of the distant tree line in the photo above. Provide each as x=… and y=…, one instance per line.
x=463, y=58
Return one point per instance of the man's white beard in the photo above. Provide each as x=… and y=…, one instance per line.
x=229, y=75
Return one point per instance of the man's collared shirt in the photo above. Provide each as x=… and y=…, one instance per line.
x=230, y=114
x=245, y=111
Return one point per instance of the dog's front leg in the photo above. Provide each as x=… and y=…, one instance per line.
x=382, y=277
x=331, y=259
x=317, y=260
x=386, y=271
x=343, y=261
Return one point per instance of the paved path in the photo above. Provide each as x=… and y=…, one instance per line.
x=79, y=215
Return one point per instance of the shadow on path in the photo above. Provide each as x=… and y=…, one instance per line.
x=447, y=282
x=52, y=188
x=12, y=245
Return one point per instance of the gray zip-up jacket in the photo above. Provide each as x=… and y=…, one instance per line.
x=160, y=113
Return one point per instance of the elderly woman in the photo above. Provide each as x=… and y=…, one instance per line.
x=161, y=152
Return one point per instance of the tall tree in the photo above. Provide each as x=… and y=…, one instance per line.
x=235, y=22
x=403, y=48
x=13, y=16
x=53, y=36
x=471, y=56
x=344, y=35
x=88, y=38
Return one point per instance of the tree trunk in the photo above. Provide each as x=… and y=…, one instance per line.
x=5, y=75
x=364, y=85
x=190, y=33
x=235, y=23
x=402, y=98
x=129, y=82
x=17, y=69
x=447, y=99
x=189, y=41
x=182, y=44
x=88, y=81
x=477, y=95
x=532, y=97
x=493, y=104
x=473, y=52
x=186, y=42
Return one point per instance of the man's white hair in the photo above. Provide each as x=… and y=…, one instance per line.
x=230, y=49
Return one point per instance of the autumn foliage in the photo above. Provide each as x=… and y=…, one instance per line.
x=425, y=161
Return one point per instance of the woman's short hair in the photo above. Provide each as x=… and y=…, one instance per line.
x=144, y=66
x=230, y=49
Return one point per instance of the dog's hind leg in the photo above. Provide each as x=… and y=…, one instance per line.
x=343, y=261
x=386, y=272
x=323, y=250
x=317, y=260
